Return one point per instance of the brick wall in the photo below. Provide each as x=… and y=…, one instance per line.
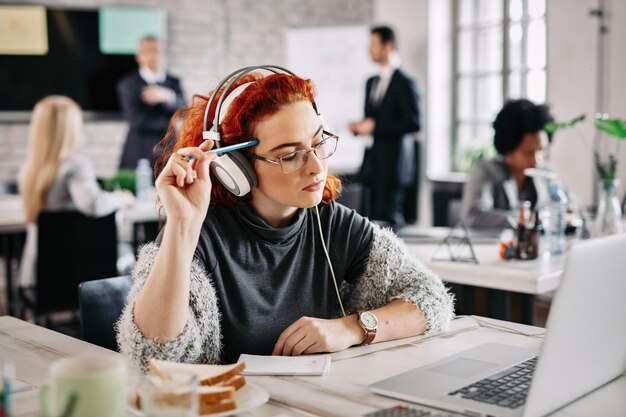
x=206, y=40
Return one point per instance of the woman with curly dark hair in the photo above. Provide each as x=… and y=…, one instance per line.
x=496, y=188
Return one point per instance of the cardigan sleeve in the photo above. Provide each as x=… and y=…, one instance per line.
x=391, y=273
x=200, y=340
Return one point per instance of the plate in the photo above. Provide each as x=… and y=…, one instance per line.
x=248, y=397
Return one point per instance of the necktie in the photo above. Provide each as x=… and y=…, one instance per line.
x=375, y=92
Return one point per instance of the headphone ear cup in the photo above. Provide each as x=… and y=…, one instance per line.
x=235, y=172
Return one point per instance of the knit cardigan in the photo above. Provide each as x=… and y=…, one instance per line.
x=391, y=273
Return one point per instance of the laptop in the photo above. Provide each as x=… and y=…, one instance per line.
x=585, y=347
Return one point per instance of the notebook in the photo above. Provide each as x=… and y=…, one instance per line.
x=285, y=365
x=585, y=347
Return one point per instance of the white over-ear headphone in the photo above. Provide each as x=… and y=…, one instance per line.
x=233, y=169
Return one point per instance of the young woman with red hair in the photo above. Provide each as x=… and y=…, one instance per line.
x=231, y=275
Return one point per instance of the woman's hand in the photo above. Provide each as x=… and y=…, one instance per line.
x=311, y=335
x=185, y=187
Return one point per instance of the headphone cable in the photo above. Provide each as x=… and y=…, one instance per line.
x=332, y=271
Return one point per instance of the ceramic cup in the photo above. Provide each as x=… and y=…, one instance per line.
x=85, y=386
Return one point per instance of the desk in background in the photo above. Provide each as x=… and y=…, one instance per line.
x=342, y=392
x=529, y=278
x=13, y=233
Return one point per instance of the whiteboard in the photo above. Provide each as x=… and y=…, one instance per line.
x=336, y=59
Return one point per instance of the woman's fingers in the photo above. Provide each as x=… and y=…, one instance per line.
x=196, y=152
x=180, y=174
x=292, y=341
x=279, y=347
x=198, y=167
x=207, y=145
x=305, y=344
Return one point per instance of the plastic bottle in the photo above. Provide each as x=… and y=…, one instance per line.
x=556, y=211
x=143, y=180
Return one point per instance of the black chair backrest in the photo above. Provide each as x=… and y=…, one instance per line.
x=71, y=248
x=101, y=304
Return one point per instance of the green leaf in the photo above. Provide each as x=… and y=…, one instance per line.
x=612, y=127
x=552, y=127
x=124, y=179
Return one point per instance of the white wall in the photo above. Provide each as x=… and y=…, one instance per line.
x=572, y=71
x=409, y=18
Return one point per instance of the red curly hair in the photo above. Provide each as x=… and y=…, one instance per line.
x=261, y=99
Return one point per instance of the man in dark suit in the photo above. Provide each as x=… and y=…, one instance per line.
x=148, y=97
x=392, y=118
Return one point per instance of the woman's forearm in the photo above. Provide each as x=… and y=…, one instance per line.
x=399, y=319
x=162, y=306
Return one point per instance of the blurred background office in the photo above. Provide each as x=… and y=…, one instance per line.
x=468, y=56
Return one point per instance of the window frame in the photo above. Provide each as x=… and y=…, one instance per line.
x=505, y=71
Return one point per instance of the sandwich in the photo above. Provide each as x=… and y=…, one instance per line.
x=206, y=374
x=217, y=384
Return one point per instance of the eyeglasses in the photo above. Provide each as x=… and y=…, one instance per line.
x=295, y=160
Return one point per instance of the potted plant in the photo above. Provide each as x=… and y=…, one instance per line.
x=609, y=214
x=124, y=179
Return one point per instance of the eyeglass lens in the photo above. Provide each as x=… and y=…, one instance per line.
x=296, y=160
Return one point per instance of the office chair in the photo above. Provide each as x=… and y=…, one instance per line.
x=101, y=303
x=71, y=248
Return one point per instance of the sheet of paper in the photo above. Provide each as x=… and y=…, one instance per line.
x=285, y=365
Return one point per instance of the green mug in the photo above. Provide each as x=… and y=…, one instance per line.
x=85, y=386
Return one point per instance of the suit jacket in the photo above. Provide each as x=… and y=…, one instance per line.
x=391, y=160
x=147, y=124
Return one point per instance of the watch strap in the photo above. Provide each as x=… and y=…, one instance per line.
x=370, y=334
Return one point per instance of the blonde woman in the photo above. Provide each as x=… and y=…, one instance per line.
x=56, y=177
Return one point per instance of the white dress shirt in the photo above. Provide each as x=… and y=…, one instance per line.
x=150, y=76
x=385, y=73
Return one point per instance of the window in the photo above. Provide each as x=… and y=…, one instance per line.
x=499, y=52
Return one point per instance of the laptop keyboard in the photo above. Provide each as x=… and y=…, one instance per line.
x=404, y=411
x=508, y=388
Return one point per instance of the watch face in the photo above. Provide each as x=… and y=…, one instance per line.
x=369, y=320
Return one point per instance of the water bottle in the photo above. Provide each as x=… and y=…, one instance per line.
x=555, y=214
x=143, y=180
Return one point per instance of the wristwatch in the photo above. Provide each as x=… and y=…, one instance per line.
x=369, y=323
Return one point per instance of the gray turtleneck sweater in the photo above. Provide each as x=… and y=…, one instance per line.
x=250, y=281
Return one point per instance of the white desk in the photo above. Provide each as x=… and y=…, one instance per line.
x=537, y=276
x=342, y=392
x=528, y=278
x=12, y=212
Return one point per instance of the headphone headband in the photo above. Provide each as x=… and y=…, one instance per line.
x=233, y=169
x=213, y=133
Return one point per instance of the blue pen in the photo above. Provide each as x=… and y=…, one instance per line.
x=229, y=148
x=241, y=145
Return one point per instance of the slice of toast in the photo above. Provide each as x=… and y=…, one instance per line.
x=237, y=382
x=225, y=405
x=206, y=374
x=214, y=395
